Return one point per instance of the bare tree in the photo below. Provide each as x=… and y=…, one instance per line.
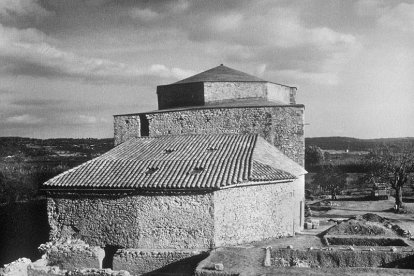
x=394, y=167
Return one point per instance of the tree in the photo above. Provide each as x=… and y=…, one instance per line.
x=313, y=155
x=393, y=167
x=331, y=180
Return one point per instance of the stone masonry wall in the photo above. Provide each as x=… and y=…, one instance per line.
x=158, y=262
x=222, y=91
x=139, y=221
x=126, y=127
x=285, y=94
x=281, y=126
x=253, y=213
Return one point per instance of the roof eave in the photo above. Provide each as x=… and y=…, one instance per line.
x=255, y=183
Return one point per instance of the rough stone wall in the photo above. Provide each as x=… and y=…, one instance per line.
x=222, y=91
x=72, y=254
x=126, y=127
x=277, y=92
x=253, y=213
x=180, y=95
x=160, y=262
x=139, y=221
x=281, y=126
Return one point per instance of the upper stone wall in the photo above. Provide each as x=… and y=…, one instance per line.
x=210, y=93
x=281, y=126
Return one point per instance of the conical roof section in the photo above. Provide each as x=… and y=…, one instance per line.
x=221, y=74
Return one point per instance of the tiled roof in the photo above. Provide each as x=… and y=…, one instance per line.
x=174, y=162
x=221, y=74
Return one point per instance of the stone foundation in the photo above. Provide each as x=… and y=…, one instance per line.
x=167, y=262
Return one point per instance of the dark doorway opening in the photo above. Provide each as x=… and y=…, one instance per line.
x=110, y=251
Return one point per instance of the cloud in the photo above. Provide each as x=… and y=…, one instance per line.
x=30, y=52
x=85, y=119
x=17, y=8
x=41, y=103
x=400, y=18
x=24, y=119
x=143, y=14
x=261, y=34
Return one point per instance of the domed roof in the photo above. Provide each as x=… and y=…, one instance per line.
x=221, y=74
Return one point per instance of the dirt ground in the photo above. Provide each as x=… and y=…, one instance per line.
x=346, y=207
x=248, y=258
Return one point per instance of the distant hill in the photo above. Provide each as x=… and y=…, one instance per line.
x=30, y=148
x=354, y=144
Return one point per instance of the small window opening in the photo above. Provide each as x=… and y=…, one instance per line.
x=168, y=151
x=127, y=121
x=151, y=170
x=197, y=170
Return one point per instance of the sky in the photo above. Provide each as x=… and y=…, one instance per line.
x=67, y=66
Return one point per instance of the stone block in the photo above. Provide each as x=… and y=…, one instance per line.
x=16, y=268
x=73, y=254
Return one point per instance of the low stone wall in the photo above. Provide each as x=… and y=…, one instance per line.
x=24, y=267
x=73, y=255
x=42, y=268
x=342, y=258
x=165, y=262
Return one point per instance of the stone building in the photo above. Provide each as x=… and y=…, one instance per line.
x=218, y=164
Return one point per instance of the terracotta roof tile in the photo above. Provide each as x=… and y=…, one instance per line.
x=174, y=162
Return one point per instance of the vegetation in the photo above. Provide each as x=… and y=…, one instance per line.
x=26, y=163
x=393, y=167
x=331, y=180
x=313, y=155
x=354, y=144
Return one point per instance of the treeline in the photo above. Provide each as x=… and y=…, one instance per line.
x=354, y=144
x=26, y=163
x=29, y=147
